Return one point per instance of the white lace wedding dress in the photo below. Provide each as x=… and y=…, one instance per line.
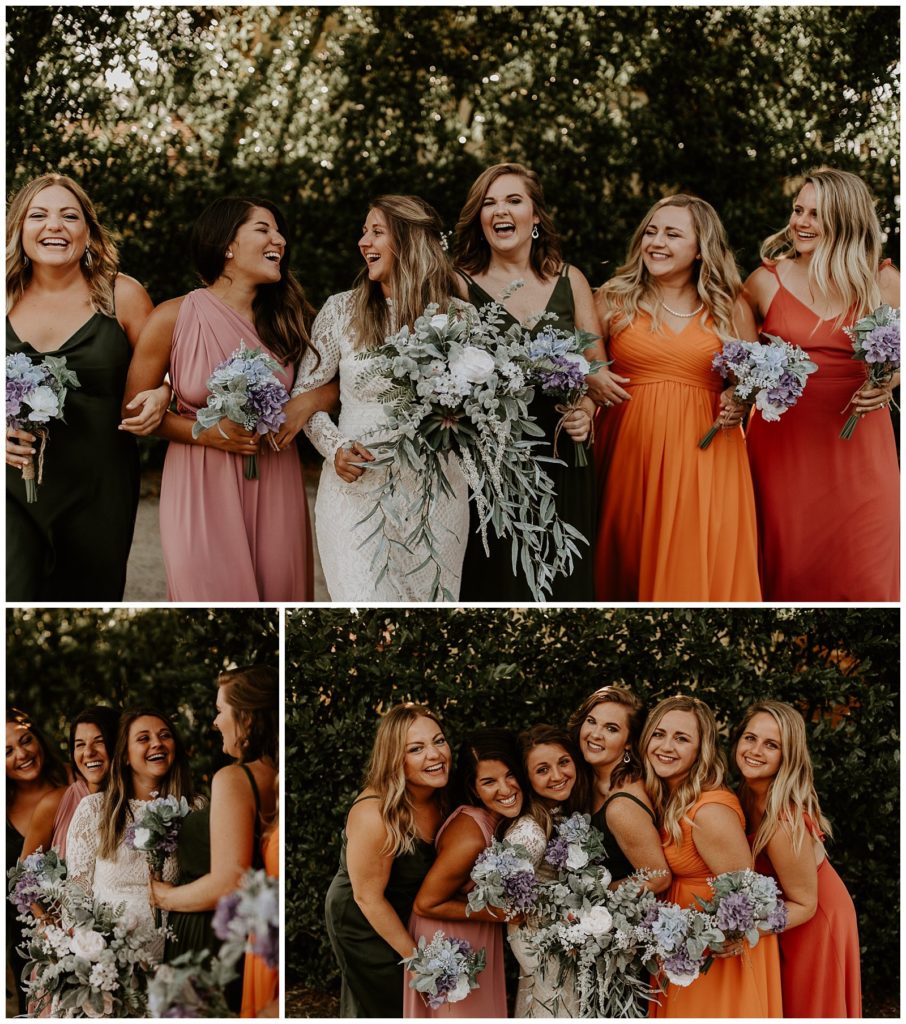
x=340, y=507
x=539, y=994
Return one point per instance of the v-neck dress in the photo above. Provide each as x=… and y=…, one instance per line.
x=828, y=509
x=677, y=522
x=490, y=577
x=73, y=543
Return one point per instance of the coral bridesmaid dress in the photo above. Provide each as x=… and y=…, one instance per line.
x=819, y=960
x=489, y=999
x=260, y=985
x=740, y=986
x=225, y=538
x=828, y=509
x=677, y=523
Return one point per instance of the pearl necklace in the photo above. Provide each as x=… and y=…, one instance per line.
x=683, y=316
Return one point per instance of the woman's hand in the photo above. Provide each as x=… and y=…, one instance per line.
x=727, y=949
x=230, y=437
x=868, y=399
x=604, y=388
x=731, y=412
x=345, y=460
x=151, y=406
x=160, y=892
x=19, y=448
x=298, y=412
x=578, y=422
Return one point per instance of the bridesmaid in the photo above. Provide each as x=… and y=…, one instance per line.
x=487, y=790
x=819, y=950
x=703, y=835
x=66, y=298
x=386, y=854
x=505, y=234
x=224, y=537
x=92, y=740
x=33, y=773
x=260, y=983
x=677, y=523
x=556, y=788
x=606, y=728
x=218, y=843
x=828, y=509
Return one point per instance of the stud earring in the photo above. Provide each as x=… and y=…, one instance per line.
x=535, y=232
x=229, y=254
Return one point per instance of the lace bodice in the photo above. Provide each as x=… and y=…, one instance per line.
x=121, y=880
x=528, y=833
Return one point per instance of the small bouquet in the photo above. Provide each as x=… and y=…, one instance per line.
x=191, y=985
x=36, y=394
x=772, y=376
x=876, y=341
x=576, y=846
x=676, y=942
x=558, y=367
x=155, y=832
x=444, y=970
x=745, y=905
x=244, y=389
x=504, y=878
x=37, y=880
x=247, y=920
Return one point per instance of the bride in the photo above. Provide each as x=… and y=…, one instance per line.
x=149, y=761
x=405, y=271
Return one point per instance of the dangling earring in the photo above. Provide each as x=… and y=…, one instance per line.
x=535, y=232
x=87, y=258
x=25, y=260
x=626, y=757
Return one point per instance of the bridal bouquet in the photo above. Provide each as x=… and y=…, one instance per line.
x=36, y=394
x=244, y=389
x=444, y=970
x=155, y=831
x=772, y=376
x=191, y=985
x=37, y=880
x=876, y=341
x=745, y=905
x=504, y=878
x=247, y=920
x=456, y=387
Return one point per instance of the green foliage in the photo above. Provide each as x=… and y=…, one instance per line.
x=58, y=661
x=508, y=667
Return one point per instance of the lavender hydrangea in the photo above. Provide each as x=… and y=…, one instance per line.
x=444, y=970
x=504, y=878
x=249, y=918
x=735, y=913
x=155, y=830
x=882, y=344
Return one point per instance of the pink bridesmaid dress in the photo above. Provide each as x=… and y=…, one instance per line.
x=489, y=999
x=73, y=796
x=225, y=538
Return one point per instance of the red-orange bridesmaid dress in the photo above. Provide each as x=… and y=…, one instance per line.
x=677, y=522
x=740, y=986
x=260, y=983
x=819, y=960
x=828, y=509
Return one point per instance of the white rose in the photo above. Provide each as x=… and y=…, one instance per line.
x=579, y=360
x=596, y=921
x=460, y=990
x=577, y=858
x=43, y=403
x=683, y=980
x=87, y=944
x=769, y=411
x=473, y=364
x=142, y=838
x=439, y=320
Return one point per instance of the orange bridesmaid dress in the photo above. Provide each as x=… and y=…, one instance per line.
x=741, y=986
x=260, y=983
x=677, y=523
x=828, y=509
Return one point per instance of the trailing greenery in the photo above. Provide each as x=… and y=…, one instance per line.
x=515, y=668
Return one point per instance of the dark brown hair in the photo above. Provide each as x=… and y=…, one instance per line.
x=624, y=772
x=578, y=800
x=107, y=720
x=52, y=769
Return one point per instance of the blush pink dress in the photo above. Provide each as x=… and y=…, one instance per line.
x=489, y=999
x=73, y=796
x=225, y=538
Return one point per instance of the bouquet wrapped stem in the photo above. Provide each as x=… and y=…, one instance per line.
x=31, y=474
x=876, y=342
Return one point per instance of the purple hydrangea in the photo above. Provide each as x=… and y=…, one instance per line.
x=777, y=919
x=731, y=359
x=735, y=913
x=680, y=965
x=224, y=914
x=566, y=375
x=557, y=852
x=882, y=344
x=521, y=889
x=266, y=400
x=787, y=390
x=267, y=945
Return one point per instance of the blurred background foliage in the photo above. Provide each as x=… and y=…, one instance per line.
x=158, y=110
x=515, y=668
x=60, y=660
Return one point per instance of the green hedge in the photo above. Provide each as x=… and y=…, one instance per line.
x=514, y=668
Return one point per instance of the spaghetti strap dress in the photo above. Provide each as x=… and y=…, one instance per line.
x=225, y=538
x=370, y=968
x=490, y=577
x=260, y=983
x=489, y=999
x=617, y=863
x=819, y=960
x=828, y=509
x=677, y=522
x=747, y=985
x=72, y=544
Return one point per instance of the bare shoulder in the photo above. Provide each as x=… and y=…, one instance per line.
x=48, y=804
x=231, y=783
x=463, y=832
x=127, y=289
x=889, y=283
x=163, y=317
x=577, y=279
x=714, y=817
x=619, y=811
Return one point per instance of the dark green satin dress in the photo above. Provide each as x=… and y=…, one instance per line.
x=372, y=976
x=490, y=578
x=618, y=864
x=72, y=544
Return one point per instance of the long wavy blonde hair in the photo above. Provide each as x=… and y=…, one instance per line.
x=421, y=272
x=707, y=773
x=99, y=272
x=632, y=290
x=846, y=260
x=792, y=792
x=386, y=775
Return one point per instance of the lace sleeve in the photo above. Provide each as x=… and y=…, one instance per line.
x=528, y=833
x=82, y=842
x=325, y=337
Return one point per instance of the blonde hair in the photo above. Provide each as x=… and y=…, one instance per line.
x=421, y=273
x=707, y=773
x=792, y=792
x=846, y=259
x=632, y=290
x=100, y=273
x=386, y=775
